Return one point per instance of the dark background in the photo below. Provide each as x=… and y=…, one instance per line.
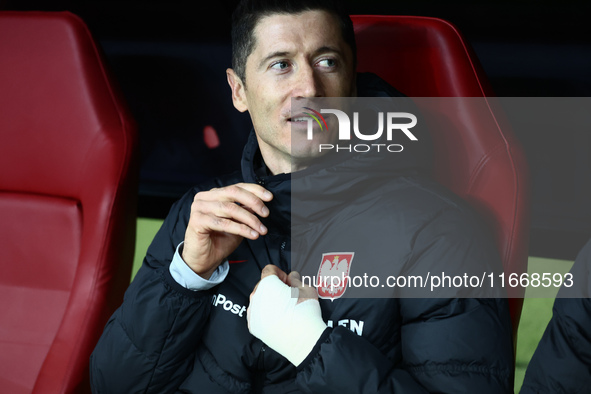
x=170, y=60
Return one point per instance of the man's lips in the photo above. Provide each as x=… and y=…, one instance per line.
x=298, y=118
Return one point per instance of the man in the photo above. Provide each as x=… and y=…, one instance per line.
x=184, y=325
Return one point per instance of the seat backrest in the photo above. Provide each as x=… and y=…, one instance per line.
x=67, y=201
x=474, y=155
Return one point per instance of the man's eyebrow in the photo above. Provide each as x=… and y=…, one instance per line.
x=271, y=56
x=328, y=49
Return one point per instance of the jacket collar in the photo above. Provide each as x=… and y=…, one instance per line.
x=254, y=171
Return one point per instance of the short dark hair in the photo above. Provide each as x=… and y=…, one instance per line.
x=249, y=12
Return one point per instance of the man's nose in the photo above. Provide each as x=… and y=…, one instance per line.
x=308, y=83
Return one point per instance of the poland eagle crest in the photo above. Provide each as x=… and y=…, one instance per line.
x=333, y=274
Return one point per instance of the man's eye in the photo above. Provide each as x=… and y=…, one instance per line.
x=280, y=65
x=327, y=63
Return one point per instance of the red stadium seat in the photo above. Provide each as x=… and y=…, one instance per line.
x=67, y=201
x=475, y=157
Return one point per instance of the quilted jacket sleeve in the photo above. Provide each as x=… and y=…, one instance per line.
x=448, y=345
x=148, y=344
x=561, y=361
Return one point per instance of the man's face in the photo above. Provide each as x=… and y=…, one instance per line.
x=295, y=56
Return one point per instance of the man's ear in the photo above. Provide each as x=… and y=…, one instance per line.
x=237, y=87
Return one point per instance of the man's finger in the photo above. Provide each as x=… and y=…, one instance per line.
x=294, y=279
x=209, y=223
x=271, y=269
x=250, y=196
x=257, y=190
x=234, y=212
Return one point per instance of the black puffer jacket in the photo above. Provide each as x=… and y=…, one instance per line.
x=562, y=361
x=165, y=338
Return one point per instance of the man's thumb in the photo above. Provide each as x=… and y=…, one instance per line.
x=294, y=279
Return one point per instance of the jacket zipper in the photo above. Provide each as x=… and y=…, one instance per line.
x=258, y=381
x=282, y=259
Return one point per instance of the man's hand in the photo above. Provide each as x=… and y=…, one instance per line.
x=284, y=314
x=220, y=219
x=294, y=280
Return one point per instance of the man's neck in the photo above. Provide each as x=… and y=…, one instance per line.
x=282, y=168
x=276, y=162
